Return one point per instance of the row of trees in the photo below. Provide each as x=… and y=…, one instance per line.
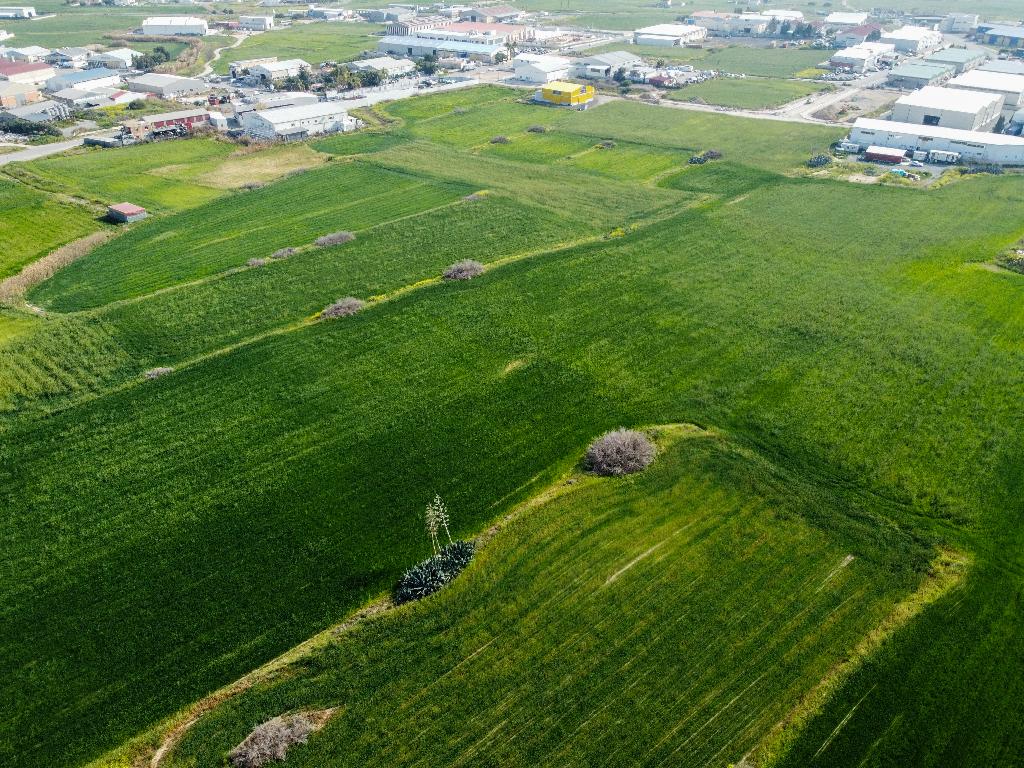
x=342, y=78
x=147, y=62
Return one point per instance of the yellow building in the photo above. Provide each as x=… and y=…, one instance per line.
x=566, y=94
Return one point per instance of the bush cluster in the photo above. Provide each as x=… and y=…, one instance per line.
x=711, y=154
x=429, y=576
x=620, y=452
x=284, y=253
x=500, y=140
x=258, y=262
x=607, y=144
x=466, y=269
x=536, y=129
x=156, y=373
x=819, y=161
x=270, y=741
x=473, y=198
x=996, y=170
x=335, y=238
x=342, y=308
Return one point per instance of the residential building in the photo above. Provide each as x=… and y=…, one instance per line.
x=125, y=213
x=182, y=121
x=913, y=40
x=861, y=58
x=949, y=108
x=276, y=71
x=1002, y=35
x=962, y=59
x=174, y=25
x=1010, y=87
x=539, y=68
x=165, y=86
x=840, y=20
x=118, y=58
x=17, y=94
x=670, y=35
x=857, y=35
x=959, y=23
x=914, y=75
x=35, y=73
x=84, y=78
x=387, y=66
x=973, y=146
x=504, y=14
x=298, y=122
x=17, y=12
x=602, y=65
x=565, y=94
x=67, y=57
x=40, y=112
x=416, y=47
x=256, y=23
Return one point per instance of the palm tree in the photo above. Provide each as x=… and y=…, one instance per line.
x=510, y=46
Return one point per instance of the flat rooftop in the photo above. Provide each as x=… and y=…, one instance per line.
x=922, y=69
x=1003, y=82
x=952, y=99
x=936, y=132
x=956, y=55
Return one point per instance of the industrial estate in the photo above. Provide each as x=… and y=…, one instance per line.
x=562, y=384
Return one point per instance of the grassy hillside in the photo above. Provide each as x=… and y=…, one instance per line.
x=315, y=43
x=163, y=537
x=692, y=602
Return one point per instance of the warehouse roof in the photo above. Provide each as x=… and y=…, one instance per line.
x=84, y=76
x=127, y=209
x=282, y=66
x=669, y=30
x=441, y=45
x=1000, y=65
x=281, y=115
x=922, y=69
x=173, y=20
x=956, y=55
x=1005, y=30
x=910, y=33
x=612, y=59
x=936, y=132
x=156, y=80
x=953, y=99
x=840, y=17
x=20, y=68
x=179, y=115
x=996, y=81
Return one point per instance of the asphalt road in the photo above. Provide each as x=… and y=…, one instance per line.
x=42, y=150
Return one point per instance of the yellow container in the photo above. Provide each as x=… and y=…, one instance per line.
x=567, y=94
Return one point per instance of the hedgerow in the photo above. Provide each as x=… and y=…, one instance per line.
x=342, y=308
x=466, y=269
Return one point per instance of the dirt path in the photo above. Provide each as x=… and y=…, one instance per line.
x=208, y=68
x=14, y=288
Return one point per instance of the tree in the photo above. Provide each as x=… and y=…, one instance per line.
x=661, y=63
x=873, y=35
x=620, y=75
x=305, y=78
x=786, y=28
x=510, y=46
x=773, y=26
x=427, y=65
x=500, y=57
x=150, y=61
x=370, y=78
x=436, y=518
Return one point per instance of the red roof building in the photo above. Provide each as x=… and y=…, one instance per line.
x=26, y=72
x=124, y=213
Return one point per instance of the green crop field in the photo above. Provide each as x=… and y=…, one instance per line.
x=856, y=378
x=316, y=43
x=736, y=59
x=746, y=93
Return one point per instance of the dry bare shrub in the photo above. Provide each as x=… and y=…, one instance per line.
x=342, y=308
x=466, y=269
x=500, y=140
x=258, y=262
x=459, y=111
x=536, y=129
x=284, y=253
x=335, y=238
x=251, y=186
x=473, y=198
x=271, y=740
x=607, y=144
x=620, y=452
x=156, y=373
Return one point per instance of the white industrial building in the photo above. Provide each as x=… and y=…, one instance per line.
x=949, y=108
x=27, y=54
x=165, y=86
x=539, y=68
x=1010, y=87
x=174, y=25
x=670, y=34
x=387, y=66
x=118, y=58
x=17, y=12
x=409, y=45
x=99, y=77
x=605, y=64
x=1008, y=66
x=274, y=71
x=256, y=23
x=972, y=146
x=913, y=39
x=958, y=23
x=68, y=57
x=861, y=58
x=844, y=19
x=293, y=123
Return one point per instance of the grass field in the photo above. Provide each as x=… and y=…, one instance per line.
x=316, y=43
x=860, y=374
x=746, y=93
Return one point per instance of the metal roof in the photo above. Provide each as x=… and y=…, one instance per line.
x=921, y=70
x=953, y=99
x=280, y=115
x=1002, y=65
x=956, y=55
x=1005, y=30
x=985, y=80
x=84, y=76
x=441, y=45
x=936, y=132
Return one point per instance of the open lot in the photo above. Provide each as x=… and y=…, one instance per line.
x=859, y=373
x=746, y=93
x=316, y=43
x=736, y=59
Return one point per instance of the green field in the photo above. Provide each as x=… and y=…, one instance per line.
x=859, y=376
x=736, y=59
x=315, y=43
x=746, y=93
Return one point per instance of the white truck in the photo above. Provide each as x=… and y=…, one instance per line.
x=941, y=156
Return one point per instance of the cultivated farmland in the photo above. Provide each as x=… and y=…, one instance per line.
x=856, y=385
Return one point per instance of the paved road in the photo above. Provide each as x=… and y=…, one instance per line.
x=42, y=150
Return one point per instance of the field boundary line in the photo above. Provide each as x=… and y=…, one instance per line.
x=148, y=750
x=947, y=572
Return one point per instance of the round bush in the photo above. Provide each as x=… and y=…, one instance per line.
x=500, y=140
x=607, y=144
x=270, y=741
x=620, y=452
x=466, y=269
x=819, y=161
x=536, y=129
x=335, y=238
x=343, y=308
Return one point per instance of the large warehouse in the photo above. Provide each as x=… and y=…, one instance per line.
x=913, y=39
x=1003, y=35
x=293, y=123
x=949, y=108
x=539, y=68
x=174, y=25
x=415, y=47
x=914, y=75
x=1010, y=87
x=861, y=58
x=165, y=86
x=961, y=58
x=670, y=34
x=972, y=146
